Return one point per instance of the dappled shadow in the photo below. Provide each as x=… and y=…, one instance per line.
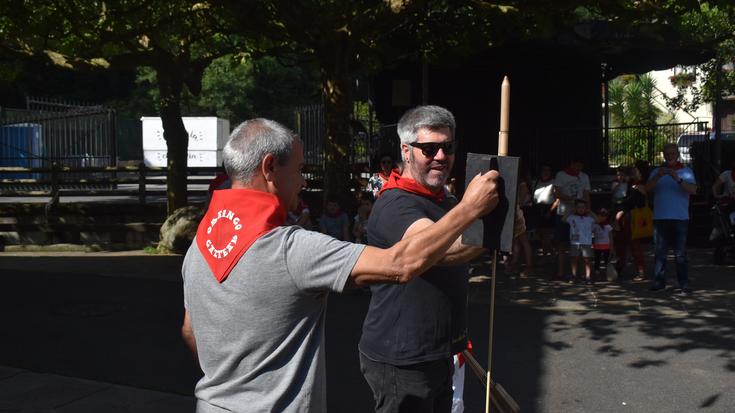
x=710, y=401
x=647, y=363
x=659, y=333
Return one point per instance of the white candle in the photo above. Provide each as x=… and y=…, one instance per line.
x=504, y=117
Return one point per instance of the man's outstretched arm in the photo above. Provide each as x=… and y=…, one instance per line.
x=415, y=254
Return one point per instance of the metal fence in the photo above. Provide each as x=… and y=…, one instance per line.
x=311, y=127
x=606, y=149
x=626, y=145
x=54, y=131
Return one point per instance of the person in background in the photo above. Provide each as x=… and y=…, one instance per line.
x=335, y=222
x=300, y=215
x=671, y=184
x=544, y=208
x=521, y=243
x=359, y=227
x=570, y=184
x=724, y=186
x=580, y=221
x=602, y=240
x=378, y=179
x=628, y=193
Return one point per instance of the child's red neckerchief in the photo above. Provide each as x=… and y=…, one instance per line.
x=236, y=218
x=571, y=172
x=410, y=185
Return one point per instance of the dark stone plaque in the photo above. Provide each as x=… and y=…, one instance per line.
x=495, y=230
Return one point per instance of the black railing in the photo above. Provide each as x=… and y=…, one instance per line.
x=58, y=181
x=54, y=131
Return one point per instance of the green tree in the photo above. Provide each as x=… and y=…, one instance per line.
x=177, y=39
x=236, y=88
x=713, y=24
x=631, y=101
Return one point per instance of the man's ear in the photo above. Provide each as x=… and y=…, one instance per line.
x=268, y=166
x=405, y=149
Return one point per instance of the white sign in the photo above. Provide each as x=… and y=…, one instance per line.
x=205, y=133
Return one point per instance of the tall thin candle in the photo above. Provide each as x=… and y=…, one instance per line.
x=504, y=117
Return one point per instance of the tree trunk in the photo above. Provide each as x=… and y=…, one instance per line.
x=177, y=138
x=336, y=87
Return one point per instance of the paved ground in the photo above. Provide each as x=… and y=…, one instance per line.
x=99, y=332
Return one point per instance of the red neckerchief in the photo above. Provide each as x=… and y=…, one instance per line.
x=571, y=172
x=236, y=218
x=384, y=176
x=410, y=185
x=678, y=165
x=460, y=356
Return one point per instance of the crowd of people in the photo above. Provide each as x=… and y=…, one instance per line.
x=256, y=279
x=601, y=235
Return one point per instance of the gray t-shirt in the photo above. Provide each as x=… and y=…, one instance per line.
x=260, y=333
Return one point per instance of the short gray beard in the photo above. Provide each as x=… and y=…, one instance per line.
x=421, y=178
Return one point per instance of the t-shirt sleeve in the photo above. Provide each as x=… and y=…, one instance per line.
x=586, y=186
x=688, y=176
x=388, y=224
x=318, y=262
x=653, y=173
x=557, y=180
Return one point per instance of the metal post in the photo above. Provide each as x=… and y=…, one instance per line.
x=716, y=116
x=141, y=183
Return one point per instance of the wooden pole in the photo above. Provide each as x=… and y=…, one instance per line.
x=502, y=151
x=489, y=380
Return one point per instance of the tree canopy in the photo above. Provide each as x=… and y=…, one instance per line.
x=175, y=41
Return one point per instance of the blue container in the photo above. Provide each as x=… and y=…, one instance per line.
x=21, y=145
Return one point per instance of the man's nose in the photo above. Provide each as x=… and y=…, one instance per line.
x=440, y=154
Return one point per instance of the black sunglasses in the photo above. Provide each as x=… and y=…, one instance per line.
x=429, y=149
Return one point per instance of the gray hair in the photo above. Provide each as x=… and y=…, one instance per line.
x=670, y=145
x=250, y=142
x=430, y=117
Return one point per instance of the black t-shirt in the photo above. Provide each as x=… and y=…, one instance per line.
x=425, y=319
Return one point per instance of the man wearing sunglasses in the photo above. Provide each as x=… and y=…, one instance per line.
x=412, y=331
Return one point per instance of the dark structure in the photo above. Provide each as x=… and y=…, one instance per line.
x=557, y=91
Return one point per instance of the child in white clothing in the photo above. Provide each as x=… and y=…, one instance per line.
x=580, y=222
x=602, y=240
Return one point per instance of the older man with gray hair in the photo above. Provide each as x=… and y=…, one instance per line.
x=255, y=290
x=412, y=331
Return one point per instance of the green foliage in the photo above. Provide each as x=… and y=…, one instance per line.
x=712, y=23
x=234, y=88
x=631, y=101
x=628, y=145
